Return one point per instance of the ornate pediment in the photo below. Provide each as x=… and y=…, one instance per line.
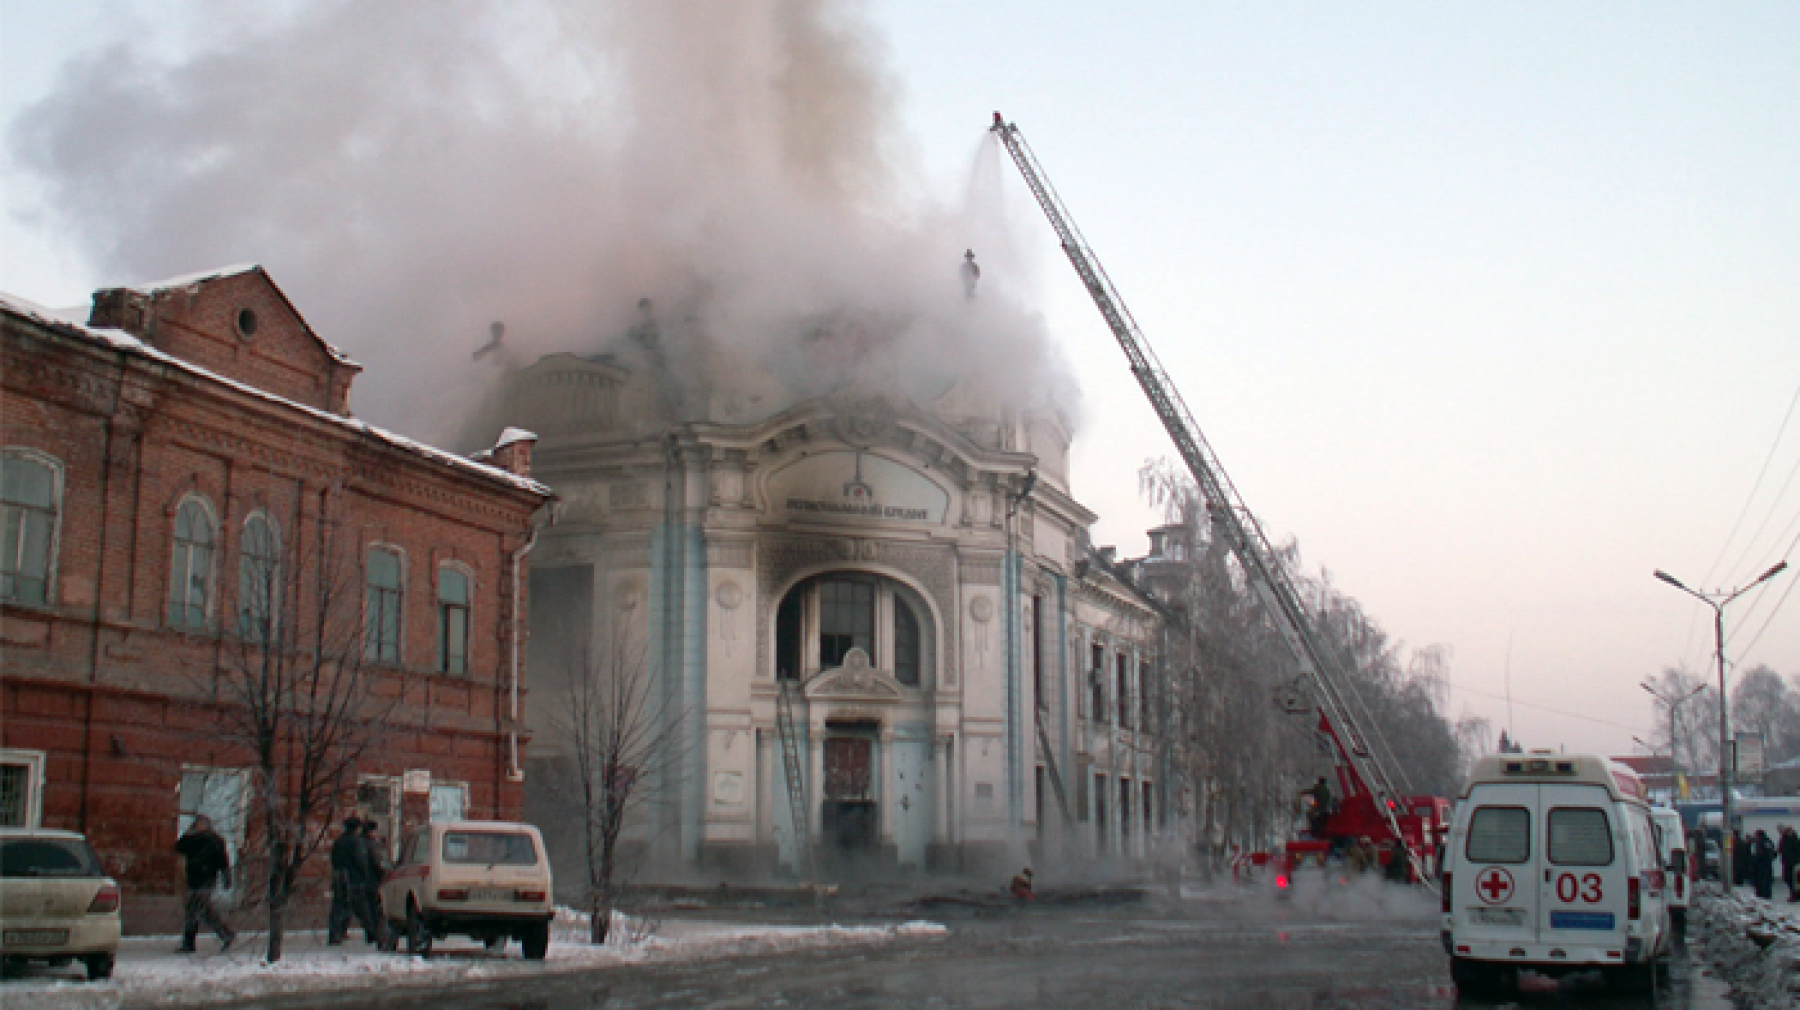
x=856, y=679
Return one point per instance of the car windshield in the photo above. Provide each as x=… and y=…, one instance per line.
x=489, y=848
x=47, y=857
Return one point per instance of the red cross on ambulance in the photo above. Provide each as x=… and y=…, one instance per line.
x=1494, y=885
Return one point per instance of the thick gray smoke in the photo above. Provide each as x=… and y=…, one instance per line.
x=411, y=172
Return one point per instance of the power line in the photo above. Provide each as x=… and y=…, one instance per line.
x=1778, y=604
x=1755, y=486
x=1542, y=708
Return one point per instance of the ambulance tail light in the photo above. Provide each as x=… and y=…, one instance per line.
x=1446, y=891
x=1634, y=904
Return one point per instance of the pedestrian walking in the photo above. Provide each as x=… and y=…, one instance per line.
x=1762, y=864
x=1788, y=849
x=207, y=865
x=349, y=885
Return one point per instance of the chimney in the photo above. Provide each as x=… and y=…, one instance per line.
x=512, y=452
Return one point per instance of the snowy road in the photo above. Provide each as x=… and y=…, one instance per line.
x=1215, y=956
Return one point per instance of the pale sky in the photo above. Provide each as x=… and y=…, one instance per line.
x=1495, y=308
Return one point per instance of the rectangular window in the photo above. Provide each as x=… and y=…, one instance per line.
x=846, y=620
x=449, y=801
x=1123, y=664
x=1125, y=807
x=217, y=794
x=1097, y=683
x=1034, y=638
x=490, y=848
x=1100, y=808
x=381, y=607
x=1580, y=836
x=453, y=621
x=1499, y=835
x=27, y=526
x=1146, y=696
x=1149, y=810
x=21, y=788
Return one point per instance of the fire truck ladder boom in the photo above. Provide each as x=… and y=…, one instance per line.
x=1230, y=517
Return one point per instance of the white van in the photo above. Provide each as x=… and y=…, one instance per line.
x=1552, y=866
x=1671, y=841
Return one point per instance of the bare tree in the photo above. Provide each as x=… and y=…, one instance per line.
x=624, y=735
x=297, y=696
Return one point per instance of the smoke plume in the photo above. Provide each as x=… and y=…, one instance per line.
x=410, y=173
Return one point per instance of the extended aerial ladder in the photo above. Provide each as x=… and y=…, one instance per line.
x=1360, y=769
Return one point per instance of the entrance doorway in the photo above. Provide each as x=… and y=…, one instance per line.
x=849, y=823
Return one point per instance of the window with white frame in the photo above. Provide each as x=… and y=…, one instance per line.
x=259, y=579
x=449, y=801
x=382, y=599
x=30, y=506
x=191, y=565
x=21, y=788
x=453, y=599
x=219, y=795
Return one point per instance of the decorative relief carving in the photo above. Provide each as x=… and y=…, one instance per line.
x=855, y=679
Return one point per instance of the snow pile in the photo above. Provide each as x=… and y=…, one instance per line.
x=149, y=975
x=1752, y=944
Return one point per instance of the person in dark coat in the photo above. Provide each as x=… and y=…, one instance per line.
x=1762, y=864
x=1789, y=851
x=375, y=852
x=349, y=885
x=207, y=864
x=1740, y=859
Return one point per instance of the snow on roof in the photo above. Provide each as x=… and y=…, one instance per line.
x=122, y=341
x=190, y=280
x=196, y=279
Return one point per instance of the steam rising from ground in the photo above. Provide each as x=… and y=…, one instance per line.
x=410, y=172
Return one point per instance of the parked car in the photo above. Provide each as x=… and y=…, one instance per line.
x=56, y=904
x=485, y=879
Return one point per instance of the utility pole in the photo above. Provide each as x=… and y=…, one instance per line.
x=1727, y=755
x=1673, y=703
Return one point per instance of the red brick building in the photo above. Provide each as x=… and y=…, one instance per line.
x=183, y=490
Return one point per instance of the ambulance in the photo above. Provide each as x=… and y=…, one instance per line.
x=1671, y=841
x=1552, y=866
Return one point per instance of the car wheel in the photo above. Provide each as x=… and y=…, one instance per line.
x=418, y=936
x=536, y=941
x=99, y=966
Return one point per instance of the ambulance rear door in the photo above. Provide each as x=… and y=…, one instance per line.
x=1586, y=876
x=1495, y=892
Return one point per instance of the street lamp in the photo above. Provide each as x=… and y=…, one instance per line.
x=1717, y=602
x=1674, y=703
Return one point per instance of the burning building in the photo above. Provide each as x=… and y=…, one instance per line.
x=874, y=631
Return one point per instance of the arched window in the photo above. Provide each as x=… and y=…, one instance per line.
x=29, y=510
x=259, y=580
x=191, y=566
x=453, y=619
x=382, y=599
x=820, y=620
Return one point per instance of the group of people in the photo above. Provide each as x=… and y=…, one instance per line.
x=1758, y=856
x=358, y=866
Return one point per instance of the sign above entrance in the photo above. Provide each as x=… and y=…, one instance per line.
x=855, y=486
